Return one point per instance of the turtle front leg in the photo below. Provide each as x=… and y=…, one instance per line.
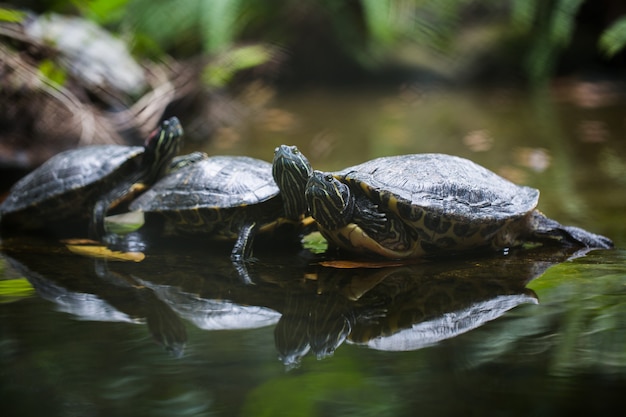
x=368, y=216
x=242, y=251
x=96, y=225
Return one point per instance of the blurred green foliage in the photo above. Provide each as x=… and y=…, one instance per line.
x=551, y=25
x=226, y=65
x=10, y=15
x=366, y=31
x=613, y=39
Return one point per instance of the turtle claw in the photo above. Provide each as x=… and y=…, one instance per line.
x=369, y=217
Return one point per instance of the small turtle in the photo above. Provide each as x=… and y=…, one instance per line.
x=221, y=197
x=413, y=205
x=82, y=184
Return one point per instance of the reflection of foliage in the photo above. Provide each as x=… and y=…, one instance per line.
x=581, y=308
x=344, y=390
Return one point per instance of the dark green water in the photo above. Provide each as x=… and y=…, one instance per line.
x=534, y=332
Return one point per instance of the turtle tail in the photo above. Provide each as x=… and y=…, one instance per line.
x=545, y=229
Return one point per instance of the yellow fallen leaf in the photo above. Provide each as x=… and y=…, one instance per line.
x=348, y=264
x=106, y=253
x=80, y=241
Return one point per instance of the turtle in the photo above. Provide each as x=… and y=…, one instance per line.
x=80, y=186
x=408, y=206
x=227, y=198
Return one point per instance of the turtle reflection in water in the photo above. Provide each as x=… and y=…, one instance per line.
x=413, y=205
x=82, y=185
x=407, y=307
x=89, y=290
x=317, y=324
x=228, y=198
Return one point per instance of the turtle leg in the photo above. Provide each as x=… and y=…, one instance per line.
x=242, y=251
x=122, y=193
x=241, y=254
x=368, y=216
x=544, y=228
x=96, y=229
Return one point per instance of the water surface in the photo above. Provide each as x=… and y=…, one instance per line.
x=526, y=332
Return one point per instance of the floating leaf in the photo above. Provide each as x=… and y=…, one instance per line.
x=351, y=264
x=124, y=223
x=15, y=289
x=315, y=242
x=80, y=241
x=105, y=253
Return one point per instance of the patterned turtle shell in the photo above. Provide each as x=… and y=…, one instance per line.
x=67, y=186
x=440, y=185
x=71, y=177
x=67, y=183
x=213, y=183
x=430, y=203
x=220, y=197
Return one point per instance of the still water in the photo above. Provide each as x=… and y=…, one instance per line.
x=528, y=332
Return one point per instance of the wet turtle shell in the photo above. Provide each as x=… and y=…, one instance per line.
x=440, y=185
x=66, y=184
x=65, y=188
x=222, y=197
x=411, y=205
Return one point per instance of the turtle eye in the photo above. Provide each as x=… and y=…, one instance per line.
x=328, y=177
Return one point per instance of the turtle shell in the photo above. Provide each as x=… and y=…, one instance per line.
x=214, y=183
x=63, y=185
x=441, y=185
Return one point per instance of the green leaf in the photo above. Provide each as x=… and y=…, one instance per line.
x=15, y=289
x=11, y=15
x=102, y=11
x=221, y=71
x=613, y=39
x=523, y=14
x=378, y=19
x=124, y=223
x=48, y=69
x=315, y=242
x=219, y=23
x=562, y=21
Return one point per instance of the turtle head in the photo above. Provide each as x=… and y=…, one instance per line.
x=330, y=201
x=162, y=146
x=182, y=161
x=291, y=171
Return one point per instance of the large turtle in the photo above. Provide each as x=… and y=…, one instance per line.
x=220, y=197
x=413, y=205
x=81, y=185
